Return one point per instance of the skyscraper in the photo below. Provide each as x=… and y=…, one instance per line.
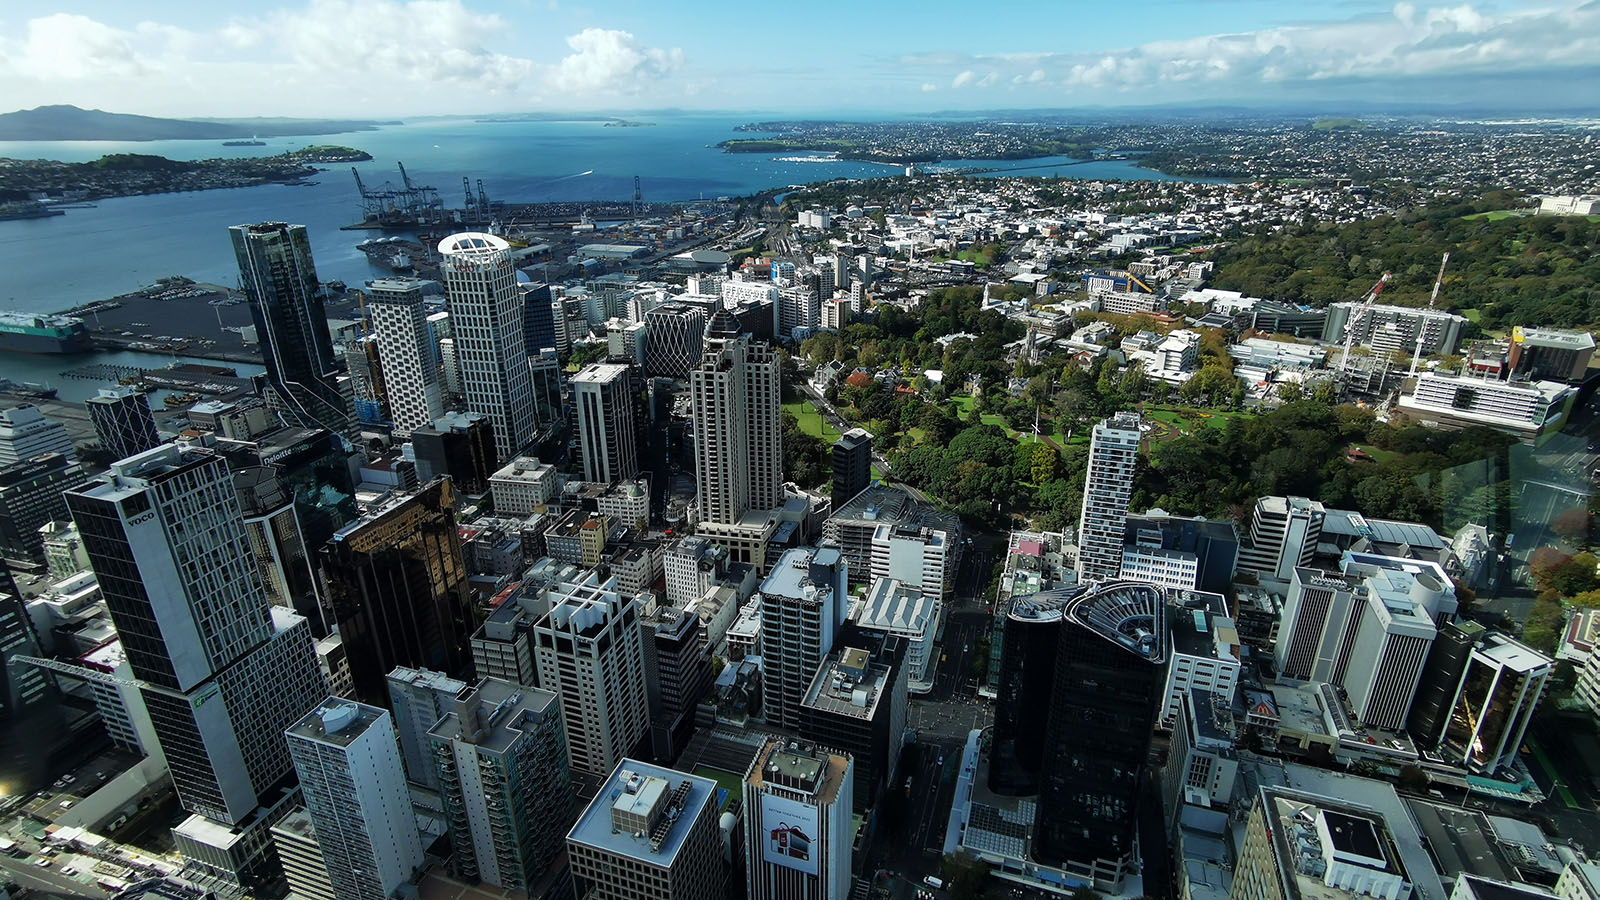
x=1107, y=489
x=355, y=792
x=1099, y=723
x=507, y=791
x=544, y=368
x=675, y=337
x=852, y=465
x=1283, y=535
x=418, y=699
x=410, y=373
x=30, y=498
x=486, y=316
x=397, y=584
x=1031, y=639
x=736, y=390
x=223, y=671
x=605, y=422
x=797, y=832
x=1499, y=692
x=590, y=650
x=461, y=445
x=272, y=526
x=803, y=601
x=123, y=421
x=538, y=319
x=280, y=279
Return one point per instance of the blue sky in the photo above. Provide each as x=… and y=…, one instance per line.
x=397, y=58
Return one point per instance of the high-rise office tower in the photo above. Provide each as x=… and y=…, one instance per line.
x=1100, y=720
x=223, y=671
x=1031, y=640
x=675, y=338
x=272, y=526
x=123, y=421
x=1441, y=681
x=411, y=375
x=538, y=319
x=589, y=649
x=1107, y=489
x=355, y=791
x=397, y=584
x=486, y=310
x=602, y=393
x=418, y=699
x=22, y=686
x=280, y=279
x=649, y=832
x=797, y=832
x=1337, y=849
x=369, y=392
x=803, y=600
x=30, y=498
x=461, y=445
x=1499, y=692
x=26, y=433
x=736, y=391
x=677, y=669
x=507, y=791
x=1283, y=534
x=544, y=368
x=852, y=465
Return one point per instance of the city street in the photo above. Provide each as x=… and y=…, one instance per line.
x=48, y=880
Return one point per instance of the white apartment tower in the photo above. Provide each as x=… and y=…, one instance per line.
x=797, y=832
x=406, y=348
x=803, y=602
x=26, y=433
x=590, y=650
x=737, y=391
x=355, y=792
x=738, y=437
x=486, y=310
x=606, y=436
x=1107, y=489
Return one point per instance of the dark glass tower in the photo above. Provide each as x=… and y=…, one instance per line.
x=538, y=319
x=1027, y=677
x=278, y=275
x=1109, y=674
x=852, y=465
x=398, y=587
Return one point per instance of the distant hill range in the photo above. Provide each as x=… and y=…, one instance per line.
x=69, y=123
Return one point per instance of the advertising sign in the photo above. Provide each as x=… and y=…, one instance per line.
x=789, y=834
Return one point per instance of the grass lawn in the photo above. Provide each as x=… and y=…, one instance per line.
x=1184, y=421
x=811, y=421
x=728, y=781
x=1377, y=454
x=1498, y=214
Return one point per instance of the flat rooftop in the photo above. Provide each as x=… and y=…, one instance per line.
x=594, y=827
x=504, y=704
x=336, y=721
x=847, y=684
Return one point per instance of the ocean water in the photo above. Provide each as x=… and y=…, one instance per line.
x=90, y=254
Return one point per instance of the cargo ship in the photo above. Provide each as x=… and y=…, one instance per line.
x=32, y=333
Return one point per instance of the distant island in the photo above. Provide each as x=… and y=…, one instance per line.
x=69, y=123
x=132, y=174
x=622, y=123
x=907, y=143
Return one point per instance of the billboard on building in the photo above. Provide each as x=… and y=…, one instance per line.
x=790, y=836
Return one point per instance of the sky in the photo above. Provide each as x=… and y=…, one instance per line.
x=394, y=58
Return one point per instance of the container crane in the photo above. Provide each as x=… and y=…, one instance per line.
x=1359, y=316
x=1433, y=303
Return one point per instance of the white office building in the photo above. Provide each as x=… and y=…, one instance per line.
x=803, y=602
x=1205, y=651
x=354, y=789
x=1283, y=536
x=486, y=310
x=1108, y=487
x=797, y=825
x=917, y=556
x=26, y=433
x=894, y=608
x=1524, y=408
x=405, y=344
x=590, y=650
x=419, y=699
x=606, y=438
x=524, y=486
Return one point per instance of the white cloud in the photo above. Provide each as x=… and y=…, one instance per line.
x=323, y=57
x=612, y=61
x=1406, y=41
x=929, y=87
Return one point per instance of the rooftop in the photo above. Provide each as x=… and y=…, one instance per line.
x=667, y=800
x=336, y=721
x=799, y=767
x=496, y=706
x=848, y=684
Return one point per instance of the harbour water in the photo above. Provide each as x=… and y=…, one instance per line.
x=90, y=254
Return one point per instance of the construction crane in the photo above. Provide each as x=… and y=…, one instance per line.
x=638, y=199
x=1433, y=303
x=467, y=209
x=1359, y=316
x=483, y=202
